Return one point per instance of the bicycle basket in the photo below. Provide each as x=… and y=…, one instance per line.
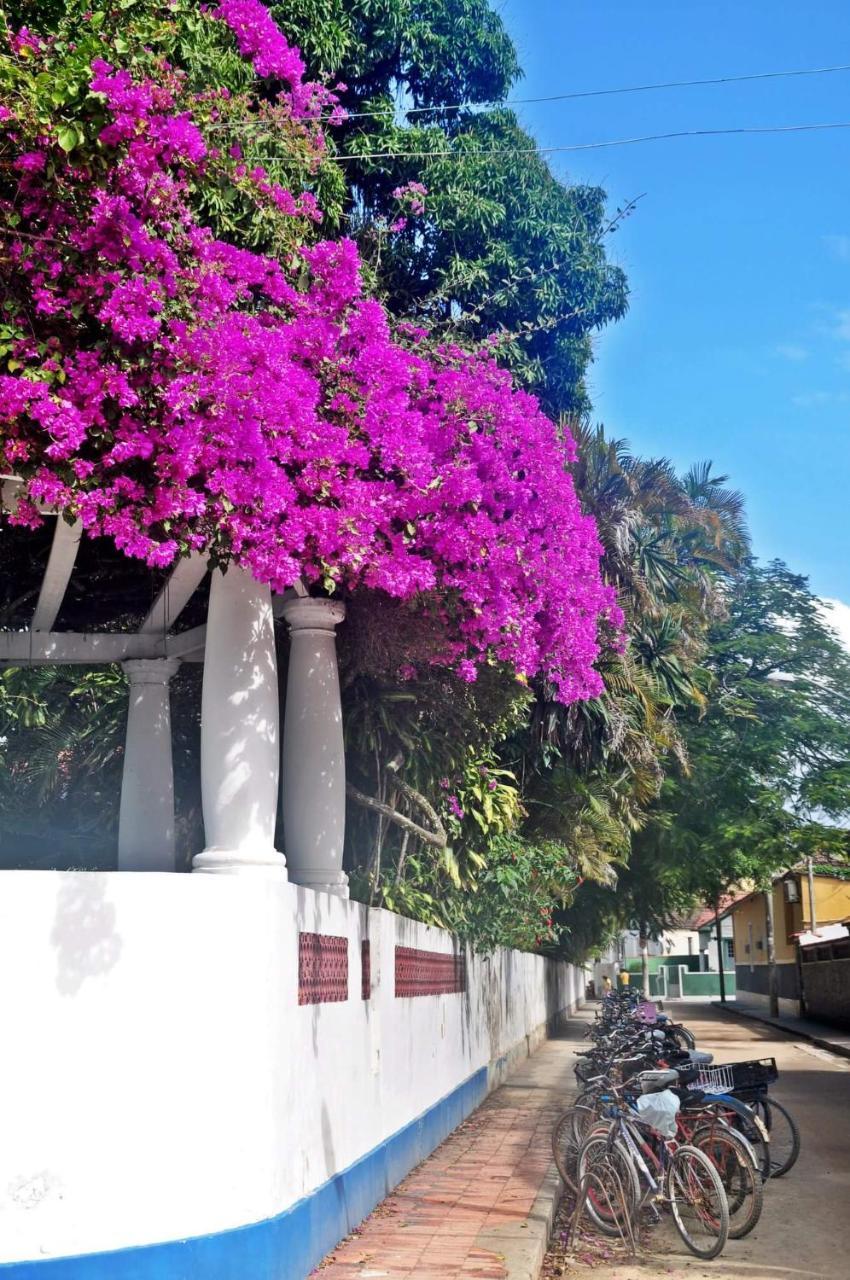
x=715, y=1080
x=688, y=1073
x=754, y=1074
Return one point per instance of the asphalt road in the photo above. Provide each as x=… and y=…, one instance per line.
x=804, y=1231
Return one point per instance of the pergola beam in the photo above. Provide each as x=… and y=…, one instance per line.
x=175, y=595
x=9, y=492
x=188, y=645
x=57, y=575
x=46, y=648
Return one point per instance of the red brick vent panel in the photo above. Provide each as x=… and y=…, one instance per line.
x=428, y=973
x=322, y=968
x=365, y=971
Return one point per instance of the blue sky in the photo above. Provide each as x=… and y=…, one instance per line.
x=737, y=343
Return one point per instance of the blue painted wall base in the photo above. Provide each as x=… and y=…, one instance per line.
x=288, y=1246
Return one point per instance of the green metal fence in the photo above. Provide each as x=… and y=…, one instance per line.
x=706, y=984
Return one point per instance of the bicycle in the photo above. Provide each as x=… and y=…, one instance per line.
x=705, y=1126
x=645, y=1169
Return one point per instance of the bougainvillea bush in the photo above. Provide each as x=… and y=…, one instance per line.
x=176, y=390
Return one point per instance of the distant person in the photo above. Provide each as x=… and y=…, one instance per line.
x=624, y=978
x=607, y=986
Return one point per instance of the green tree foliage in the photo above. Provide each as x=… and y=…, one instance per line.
x=436, y=51
x=667, y=544
x=768, y=775
x=771, y=758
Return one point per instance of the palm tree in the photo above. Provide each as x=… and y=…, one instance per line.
x=669, y=543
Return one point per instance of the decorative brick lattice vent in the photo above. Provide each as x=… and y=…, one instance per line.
x=428, y=973
x=365, y=971
x=322, y=968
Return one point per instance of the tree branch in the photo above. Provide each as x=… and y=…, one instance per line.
x=436, y=837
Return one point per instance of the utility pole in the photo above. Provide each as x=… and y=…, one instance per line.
x=772, y=975
x=644, y=959
x=720, y=950
x=813, y=924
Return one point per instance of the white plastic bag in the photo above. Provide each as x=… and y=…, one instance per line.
x=659, y=1110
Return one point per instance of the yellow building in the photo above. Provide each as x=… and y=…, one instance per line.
x=792, y=915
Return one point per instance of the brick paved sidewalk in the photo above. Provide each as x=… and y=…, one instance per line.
x=467, y=1210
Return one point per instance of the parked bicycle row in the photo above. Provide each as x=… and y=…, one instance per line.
x=657, y=1125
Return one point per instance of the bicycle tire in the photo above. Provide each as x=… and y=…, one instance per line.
x=587, y=1113
x=735, y=1161
x=748, y=1124
x=682, y=1037
x=784, y=1150
x=691, y=1178
x=600, y=1152
x=565, y=1148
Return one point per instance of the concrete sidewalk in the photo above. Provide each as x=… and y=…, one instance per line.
x=483, y=1204
x=819, y=1033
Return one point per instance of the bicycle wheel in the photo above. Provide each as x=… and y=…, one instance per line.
x=571, y=1128
x=750, y=1126
x=587, y=1112
x=734, y=1160
x=698, y=1202
x=613, y=1187
x=784, y=1135
x=682, y=1037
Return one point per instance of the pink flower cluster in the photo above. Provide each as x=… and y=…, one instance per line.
x=176, y=392
x=263, y=43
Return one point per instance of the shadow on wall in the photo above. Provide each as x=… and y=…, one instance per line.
x=328, y=1142
x=556, y=999
x=84, y=936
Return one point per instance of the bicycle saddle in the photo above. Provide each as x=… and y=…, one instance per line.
x=655, y=1081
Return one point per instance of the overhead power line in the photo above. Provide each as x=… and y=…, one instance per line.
x=484, y=153
x=601, y=93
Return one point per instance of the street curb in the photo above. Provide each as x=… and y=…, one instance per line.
x=522, y=1246
x=798, y=1033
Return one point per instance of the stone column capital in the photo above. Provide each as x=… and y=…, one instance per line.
x=150, y=670
x=303, y=613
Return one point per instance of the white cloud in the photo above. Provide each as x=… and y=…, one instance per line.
x=842, y=324
x=838, y=246
x=791, y=351
x=838, y=615
x=817, y=399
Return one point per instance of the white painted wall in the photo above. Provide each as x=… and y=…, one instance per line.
x=708, y=945
x=160, y=1079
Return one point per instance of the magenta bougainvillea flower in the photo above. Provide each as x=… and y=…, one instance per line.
x=193, y=394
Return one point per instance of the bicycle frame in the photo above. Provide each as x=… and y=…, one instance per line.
x=639, y=1148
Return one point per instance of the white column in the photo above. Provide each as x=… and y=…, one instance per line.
x=313, y=754
x=146, y=816
x=240, y=752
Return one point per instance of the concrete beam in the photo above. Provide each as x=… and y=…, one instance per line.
x=57, y=575
x=189, y=645
x=45, y=648
x=176, y=594
x=10, y=487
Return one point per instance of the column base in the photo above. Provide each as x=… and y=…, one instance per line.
x=268, y=863
x=319, y=882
